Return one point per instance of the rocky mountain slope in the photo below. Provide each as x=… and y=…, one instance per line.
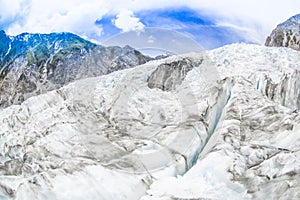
x=31, y=64
x=286, y=34
x=223, y=124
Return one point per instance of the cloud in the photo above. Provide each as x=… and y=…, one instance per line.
x=13, y=10
x=53, y=16
x=252, y=19
x=126, y=21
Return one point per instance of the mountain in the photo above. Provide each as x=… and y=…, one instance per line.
x=222, y=124
x=286, y=34
x=31, y=64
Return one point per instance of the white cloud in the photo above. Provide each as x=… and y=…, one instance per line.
x=56, y=16
x=13, y=9
x=253, y=18
x=127, y=22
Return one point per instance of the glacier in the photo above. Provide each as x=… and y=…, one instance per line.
x=222, y=124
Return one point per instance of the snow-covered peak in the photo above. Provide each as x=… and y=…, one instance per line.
x=292, y=23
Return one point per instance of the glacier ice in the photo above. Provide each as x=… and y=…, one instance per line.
x=255, y=154
x=232, y=134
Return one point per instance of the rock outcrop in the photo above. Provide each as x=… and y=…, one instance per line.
x=286, y=34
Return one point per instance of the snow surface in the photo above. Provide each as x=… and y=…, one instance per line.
x=219, y=135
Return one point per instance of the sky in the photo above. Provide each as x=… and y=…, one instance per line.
x=211, y=23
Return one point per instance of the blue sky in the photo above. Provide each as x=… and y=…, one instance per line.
x=211, y=23
x=198, y=27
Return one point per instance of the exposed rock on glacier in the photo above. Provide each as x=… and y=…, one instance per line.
x=31, y=64
x=286, y=34
x=190, y=137
x=168, y=75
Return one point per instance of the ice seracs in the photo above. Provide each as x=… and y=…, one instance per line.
x=255, y=154
x=275, y=72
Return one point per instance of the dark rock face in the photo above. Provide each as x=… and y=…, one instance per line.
x=169, y=75
x=31, y=64
x=286, y=34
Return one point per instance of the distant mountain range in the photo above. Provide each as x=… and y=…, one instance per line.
x=31, y=64
x=286, y=34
